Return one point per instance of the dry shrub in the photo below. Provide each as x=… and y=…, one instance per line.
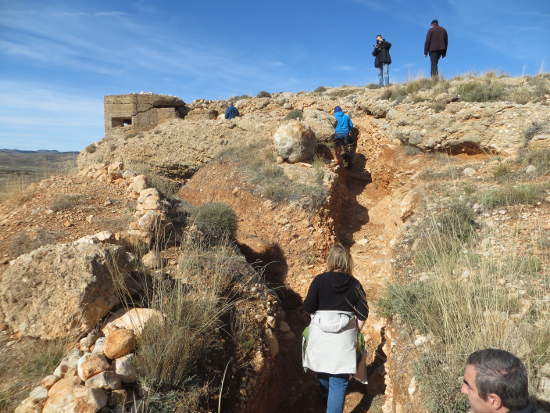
x=91, y=148
x=67, y=201
x=179, y=355
x=512, y=195
x=481, y=90
x=540, y=159
x=419, y=84
x=438, y=106
x=320, y=89
x=341, y=93
x=263, y=94
x=520, y=95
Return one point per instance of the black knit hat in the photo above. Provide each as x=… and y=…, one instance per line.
x=434, y=21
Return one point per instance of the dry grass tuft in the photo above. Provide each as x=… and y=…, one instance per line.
x=22, y=366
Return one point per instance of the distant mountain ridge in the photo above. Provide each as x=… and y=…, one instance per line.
x=38, y=151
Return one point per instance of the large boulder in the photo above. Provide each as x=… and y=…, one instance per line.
x=295, y=142
x=321, y=123
x=61, y=290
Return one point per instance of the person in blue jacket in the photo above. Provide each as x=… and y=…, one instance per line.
x=342, y=135
x=231, y=111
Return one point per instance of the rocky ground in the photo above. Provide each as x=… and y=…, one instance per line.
x=288, y=215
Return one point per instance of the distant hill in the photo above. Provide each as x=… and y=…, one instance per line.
x=50, y=151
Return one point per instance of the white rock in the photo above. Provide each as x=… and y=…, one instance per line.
x=469, y=171
x=412, y=386
x=38, y=393
x=133, y=319
x=125, y=368
x=294, y=142
x=530, y=170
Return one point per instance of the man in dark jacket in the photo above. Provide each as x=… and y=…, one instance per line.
x=231, y=111
x=496, y=381
x=382, y=60
x=436, y=45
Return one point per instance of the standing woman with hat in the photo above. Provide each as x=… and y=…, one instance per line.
x=338, y=308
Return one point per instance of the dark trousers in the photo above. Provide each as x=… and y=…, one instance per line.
x=434, y=59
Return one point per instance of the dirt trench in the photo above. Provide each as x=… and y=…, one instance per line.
x=377, y=194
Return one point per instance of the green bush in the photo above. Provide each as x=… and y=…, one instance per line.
x=373, y=86
x=263, y=94
x=216, y=221
x=481, y=91
x=320, y=89
x=294, y=114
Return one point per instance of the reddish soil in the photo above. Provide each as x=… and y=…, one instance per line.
x=367, y=218
x=27, y=221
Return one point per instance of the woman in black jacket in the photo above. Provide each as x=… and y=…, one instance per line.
x=338, y=308
x=382, y=60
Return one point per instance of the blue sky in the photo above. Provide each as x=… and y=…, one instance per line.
x=59, y=58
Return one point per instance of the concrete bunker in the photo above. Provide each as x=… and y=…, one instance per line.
x=141, y=111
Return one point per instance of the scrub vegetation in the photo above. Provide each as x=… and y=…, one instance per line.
x=461, y=289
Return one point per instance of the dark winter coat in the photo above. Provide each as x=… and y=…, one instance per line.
x=336, y=291
x=436, y=40
x=381, y=53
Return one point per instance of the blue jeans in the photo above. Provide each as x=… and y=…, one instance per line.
x=336, y=385
x=384, y=74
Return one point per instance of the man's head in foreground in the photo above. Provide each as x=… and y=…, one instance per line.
x=495, y=381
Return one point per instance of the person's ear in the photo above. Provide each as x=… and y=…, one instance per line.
x=495, y=401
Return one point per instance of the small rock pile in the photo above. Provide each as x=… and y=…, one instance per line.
x=150, y=216
x=89, y=378
x=99, y=374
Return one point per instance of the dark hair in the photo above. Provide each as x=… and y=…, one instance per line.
x=379, y=35
x=503, y=374
x=434, y=21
